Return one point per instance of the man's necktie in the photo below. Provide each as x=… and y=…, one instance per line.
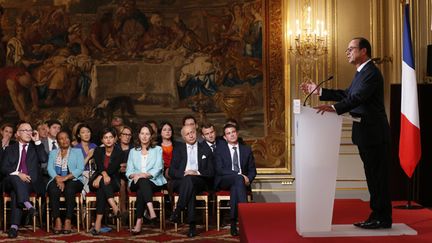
x=192, y=158
x=23, y=164
x=54, y=146
x=213, y=146
x=235, y=160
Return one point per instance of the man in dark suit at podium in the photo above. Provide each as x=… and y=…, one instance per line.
x=21, y=166
x=235, y=170
x=364, y=99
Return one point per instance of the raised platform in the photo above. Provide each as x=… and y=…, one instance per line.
x=275, y=222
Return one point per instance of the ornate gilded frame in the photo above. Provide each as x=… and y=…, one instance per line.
x=273, y=151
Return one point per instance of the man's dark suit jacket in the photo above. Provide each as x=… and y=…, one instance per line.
x=218, y=142
x=35, y=156
x=179, y=161
x=223, y=162
x=365, y=99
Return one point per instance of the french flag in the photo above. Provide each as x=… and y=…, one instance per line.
x=409, y=143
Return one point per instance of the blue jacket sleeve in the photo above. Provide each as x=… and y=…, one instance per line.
x=51, y=163
x=76, y=162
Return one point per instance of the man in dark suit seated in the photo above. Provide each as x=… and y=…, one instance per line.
x=191, y=167
x=208, y=133
x=235, y=170
x=365, y=99
x=21, y=166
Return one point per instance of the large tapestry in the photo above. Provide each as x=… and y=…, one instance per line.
x=149, y=60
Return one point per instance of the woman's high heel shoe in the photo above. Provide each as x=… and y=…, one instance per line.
x=94, y=232
x=115, y=216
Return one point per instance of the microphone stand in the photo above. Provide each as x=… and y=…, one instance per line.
x=318, y=85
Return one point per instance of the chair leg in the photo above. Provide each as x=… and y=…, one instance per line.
x=34, y=217
x=87, y=216
x=78, y=212
x=206, y=214
x=163, y=213
x=130, y=215
x=4, y=215
x=40, y=212
x=81, y=207
x=47, y=216
x=175, y=206
x=218, y=214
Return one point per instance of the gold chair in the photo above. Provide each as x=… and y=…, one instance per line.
x=90, y=199
x=33, y=198
x=157, y=197
x=204, y=196
x=79, y=203
x=225, y=196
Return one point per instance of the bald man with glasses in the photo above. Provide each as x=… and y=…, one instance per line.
x=21, y=164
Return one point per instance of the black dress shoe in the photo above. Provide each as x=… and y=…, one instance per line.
x=233, y=230
x=30, y=213
x=192, y=231
x=376, y=224
x=12, y=233
x=360, y=224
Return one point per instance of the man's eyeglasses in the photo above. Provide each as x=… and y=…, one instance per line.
x=25, y=130
x=350, y=49
x=126, y=134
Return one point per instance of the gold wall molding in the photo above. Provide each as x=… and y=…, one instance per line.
x=273, y=153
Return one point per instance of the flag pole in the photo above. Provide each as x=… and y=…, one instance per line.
x=409, y=140
x=409, y=205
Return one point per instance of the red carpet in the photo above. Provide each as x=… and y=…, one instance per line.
x=275, y=222
x=148, y=235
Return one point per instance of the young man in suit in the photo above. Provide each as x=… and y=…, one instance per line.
x=21, y=165
x=191, y=167
x=365, y=99
x=235, y=170
x=50, y=142
x=208, y=133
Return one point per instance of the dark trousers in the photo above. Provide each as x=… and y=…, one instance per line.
x=375, y=160
x=144, y=189
x=104, y=192
x=187, y=188
x=238, y=192
x=54, y=193
x=20, y=193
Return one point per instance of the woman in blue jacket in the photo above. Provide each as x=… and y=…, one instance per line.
x=65, y=167
x=145, y=173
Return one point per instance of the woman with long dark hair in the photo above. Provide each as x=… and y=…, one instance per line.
x=166, y=141
x=145, y=173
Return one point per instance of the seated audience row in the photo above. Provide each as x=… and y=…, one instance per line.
x=189, y=167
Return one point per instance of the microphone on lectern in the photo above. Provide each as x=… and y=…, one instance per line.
x=318, y=85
